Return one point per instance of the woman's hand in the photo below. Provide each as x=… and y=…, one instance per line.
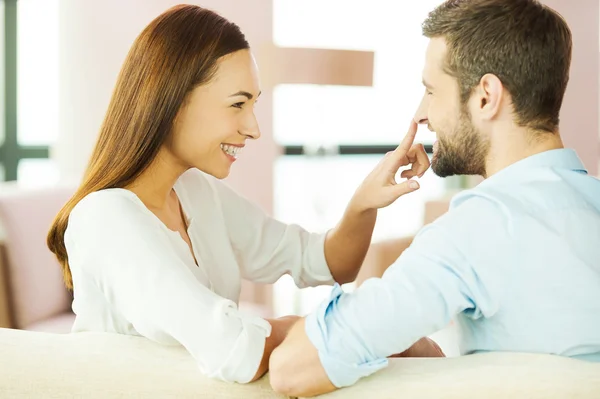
x=380, y=189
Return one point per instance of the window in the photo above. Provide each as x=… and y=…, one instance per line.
x=30, y=63
x=359, y=124
x=37, y=100
x=37, y=172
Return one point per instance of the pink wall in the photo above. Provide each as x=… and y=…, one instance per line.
x=580, y=112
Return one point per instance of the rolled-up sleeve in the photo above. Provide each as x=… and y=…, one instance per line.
x=429, y=284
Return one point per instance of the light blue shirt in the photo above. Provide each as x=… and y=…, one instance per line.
x=515, y=261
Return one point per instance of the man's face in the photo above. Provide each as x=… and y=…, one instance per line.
x=460, y=149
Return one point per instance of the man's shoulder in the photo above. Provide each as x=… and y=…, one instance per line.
x=474, y=207
x=474, y=219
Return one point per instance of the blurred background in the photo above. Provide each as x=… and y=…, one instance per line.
x=341, y=80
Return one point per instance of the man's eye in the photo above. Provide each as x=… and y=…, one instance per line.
x=238, y=105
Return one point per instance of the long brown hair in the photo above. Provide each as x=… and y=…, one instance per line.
x=174, y=54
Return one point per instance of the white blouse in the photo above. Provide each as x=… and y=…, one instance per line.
x=133, y=275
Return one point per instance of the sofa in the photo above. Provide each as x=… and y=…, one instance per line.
x=32, y=293
x=104, y=366
x=42, y=364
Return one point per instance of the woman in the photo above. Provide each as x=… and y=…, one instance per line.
x=154, y=244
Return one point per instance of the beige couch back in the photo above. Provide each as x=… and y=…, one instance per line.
x=107, y=366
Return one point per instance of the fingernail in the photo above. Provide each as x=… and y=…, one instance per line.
x=413, y=184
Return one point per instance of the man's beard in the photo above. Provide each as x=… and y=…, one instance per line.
x=461, y=152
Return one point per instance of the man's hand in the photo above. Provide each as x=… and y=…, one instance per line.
x=282, y=325
x=295, y=367
x=424, y=347
x=380, y=189
x=279, y=330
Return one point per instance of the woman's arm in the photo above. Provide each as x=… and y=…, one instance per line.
x=267, y=249
x=127, y=256
x=347, y=244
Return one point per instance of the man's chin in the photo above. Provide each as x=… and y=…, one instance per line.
x=443, y=173
x=440, y=171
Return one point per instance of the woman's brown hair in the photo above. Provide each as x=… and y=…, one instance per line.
x=175, y=53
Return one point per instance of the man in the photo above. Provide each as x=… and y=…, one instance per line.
x=516, y=260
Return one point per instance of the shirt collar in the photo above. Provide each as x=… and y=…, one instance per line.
x=564, y=158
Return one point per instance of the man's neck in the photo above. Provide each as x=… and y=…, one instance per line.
x=517, y=146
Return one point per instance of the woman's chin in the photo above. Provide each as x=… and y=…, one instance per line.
x=219, y=173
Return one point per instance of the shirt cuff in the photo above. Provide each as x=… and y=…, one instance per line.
x=340, y=373
x=319, y=272
x=246, y=354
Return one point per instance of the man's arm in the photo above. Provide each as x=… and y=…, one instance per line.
x=350, y=336
x=306, y=366
x=279, y=329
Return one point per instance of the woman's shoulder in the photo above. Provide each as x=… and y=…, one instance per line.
x=111, y=204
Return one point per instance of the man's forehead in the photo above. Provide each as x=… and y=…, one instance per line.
x=436, y=54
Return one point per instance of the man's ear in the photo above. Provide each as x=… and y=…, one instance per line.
x=489, y=95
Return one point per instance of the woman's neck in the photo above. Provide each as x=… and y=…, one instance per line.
x=154, y=186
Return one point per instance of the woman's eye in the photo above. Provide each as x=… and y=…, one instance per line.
x=238, y=105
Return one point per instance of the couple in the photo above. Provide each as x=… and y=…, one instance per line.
x=154, y=244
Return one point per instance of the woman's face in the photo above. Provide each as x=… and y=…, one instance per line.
x=217, y=118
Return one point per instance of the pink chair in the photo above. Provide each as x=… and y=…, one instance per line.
x=32, y=294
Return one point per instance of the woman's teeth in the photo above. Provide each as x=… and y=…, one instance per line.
x=231, y=150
